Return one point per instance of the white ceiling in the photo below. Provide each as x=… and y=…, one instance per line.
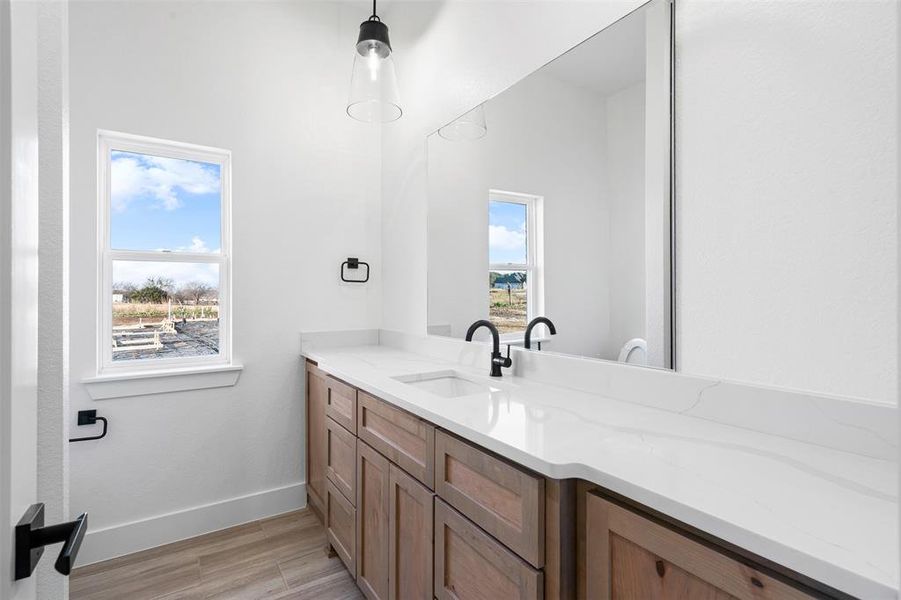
x=610, y=61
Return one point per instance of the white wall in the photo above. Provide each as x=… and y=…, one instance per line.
x=786, y=168
x=787, y=122
x=459, y=180
x=267, y=81
x=625, y=167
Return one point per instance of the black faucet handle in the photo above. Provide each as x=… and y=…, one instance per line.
x=505, y=362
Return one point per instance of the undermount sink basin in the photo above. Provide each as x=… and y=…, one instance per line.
x=448, y=384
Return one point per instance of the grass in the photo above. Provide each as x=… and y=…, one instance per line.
x=126, y=313
x=508, y=309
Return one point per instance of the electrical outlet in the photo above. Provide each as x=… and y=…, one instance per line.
x=87, y=417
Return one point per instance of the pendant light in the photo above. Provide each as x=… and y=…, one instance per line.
x=469, y=127
x=373, y=85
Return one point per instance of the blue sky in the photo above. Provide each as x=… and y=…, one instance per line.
x=506, y=232
x=164, y=204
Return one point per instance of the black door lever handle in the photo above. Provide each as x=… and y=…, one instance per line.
x=32, y=536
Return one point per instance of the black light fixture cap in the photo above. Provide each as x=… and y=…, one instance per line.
x=374, y=31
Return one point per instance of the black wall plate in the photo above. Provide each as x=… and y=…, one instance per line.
x=87, y=417
x=27, y=557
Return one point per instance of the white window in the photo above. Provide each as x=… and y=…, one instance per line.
x=515, y=259
x=165, y=254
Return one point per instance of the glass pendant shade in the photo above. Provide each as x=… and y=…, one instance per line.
x=470, y=126
x=374, y=97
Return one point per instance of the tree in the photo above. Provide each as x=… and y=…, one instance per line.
x=516, y=277
x=126, y=288
x=180, y=296
x=156, y=290
x=196, y=291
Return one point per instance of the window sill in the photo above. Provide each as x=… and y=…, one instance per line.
x=520, y=340
x=124, y=385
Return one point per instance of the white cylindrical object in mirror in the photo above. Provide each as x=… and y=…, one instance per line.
x=470, y=126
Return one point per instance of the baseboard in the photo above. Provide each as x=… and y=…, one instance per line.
x=118, y=540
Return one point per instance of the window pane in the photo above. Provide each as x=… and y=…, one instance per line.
x=507, y=233
x=164, y=310
x=508, y=300
x=159, y=203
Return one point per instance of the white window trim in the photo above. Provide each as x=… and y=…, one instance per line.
x=107, y=141
x=124, y=385
x=534, y=267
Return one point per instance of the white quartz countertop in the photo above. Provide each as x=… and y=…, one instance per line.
x=824, y=513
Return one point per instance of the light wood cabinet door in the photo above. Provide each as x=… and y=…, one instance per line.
x=411, y=538
x=407, y=441
x=342, y=404
x=317, y=398
x=340, y=524
x=471, y=565
x=373, y=475
x=341, y=458
x=629, y=556
x=502, y=498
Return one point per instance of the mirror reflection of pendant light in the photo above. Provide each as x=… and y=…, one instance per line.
x=373, y=86
x=470, y=126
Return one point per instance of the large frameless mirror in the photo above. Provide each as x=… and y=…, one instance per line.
x=553, y=199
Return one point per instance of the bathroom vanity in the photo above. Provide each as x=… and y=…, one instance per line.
x=435, y=480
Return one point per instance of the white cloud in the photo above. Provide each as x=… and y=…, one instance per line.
x=197, y=245
x=158, y=177
x=501, y=238
x=137, y=272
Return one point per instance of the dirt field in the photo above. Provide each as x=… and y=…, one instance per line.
x=507, y=310
x=196, y=331
x=191, y=338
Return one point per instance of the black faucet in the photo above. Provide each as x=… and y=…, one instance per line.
x=533, y=323
x=497, y=361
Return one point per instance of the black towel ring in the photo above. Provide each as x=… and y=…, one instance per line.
x=354, y=263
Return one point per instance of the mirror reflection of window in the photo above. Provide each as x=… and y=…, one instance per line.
x=513, y=258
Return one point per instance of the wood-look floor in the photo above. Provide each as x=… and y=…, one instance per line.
x=280, y=558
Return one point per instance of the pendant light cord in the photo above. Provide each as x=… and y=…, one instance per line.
x=374, y=16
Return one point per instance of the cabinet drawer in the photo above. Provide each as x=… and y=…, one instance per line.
x=342, y=404
x=470, y=564
x=504, y=500
x=341, y=458
x=340, y=519
x=630, y=556
x=407, y=441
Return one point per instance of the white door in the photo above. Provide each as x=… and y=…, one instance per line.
x=18, y=282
